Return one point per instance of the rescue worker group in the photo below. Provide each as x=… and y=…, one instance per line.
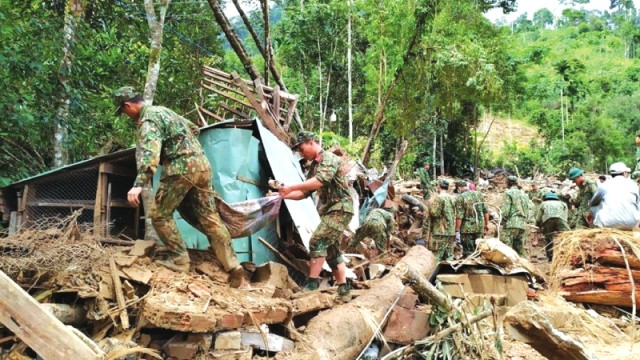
x=451, y=222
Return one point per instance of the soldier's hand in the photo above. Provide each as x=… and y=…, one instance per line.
x=486, y=229
x=284, y=191
x=133, y=196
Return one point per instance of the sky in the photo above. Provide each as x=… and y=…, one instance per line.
x=531, y=6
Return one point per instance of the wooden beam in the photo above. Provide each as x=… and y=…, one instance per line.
x=234, y=111
x=117, y=288
x=227, y=96
x=37, y=328
x=217, y=117
x=112, y=169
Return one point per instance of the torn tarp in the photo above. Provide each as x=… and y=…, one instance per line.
x=247, y=217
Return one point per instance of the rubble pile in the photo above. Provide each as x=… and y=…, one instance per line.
x=598, y=266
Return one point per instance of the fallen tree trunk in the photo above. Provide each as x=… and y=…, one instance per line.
x=343, y=332
x=527, y=322
x=424, y=288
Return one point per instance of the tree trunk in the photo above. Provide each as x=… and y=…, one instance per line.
x=408, y=56
x=267, y=41
x=72, y=16
x=349, y=75
x=156, y=26
x=343, y=332
x=441, y=154
x=235, y=43
x=156, y=29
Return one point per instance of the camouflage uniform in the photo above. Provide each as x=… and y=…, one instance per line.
x=552, y=218
x=515, y=209
x=470, y=209
x=168, y=139
x=378, y=225
x=637, y=158
x=336, y=209
x=425, y=182
x=581, y=202
x=443, y=226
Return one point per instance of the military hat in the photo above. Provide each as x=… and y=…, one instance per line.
x=122, y=95
x=574, y=173
x=550, y=196
x=635, y=175
x=443, y=184
x=303, y=137
x=461, y=183
x=512, y=179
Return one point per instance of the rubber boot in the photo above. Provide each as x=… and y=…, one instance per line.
x=344, y=294
x=176, y=262
x=312, y=285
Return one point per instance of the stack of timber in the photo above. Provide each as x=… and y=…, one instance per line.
x=598, y=266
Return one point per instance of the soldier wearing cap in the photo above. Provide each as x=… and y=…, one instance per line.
x=443, y=226
x=378, y=225
x=336, y=210
x=582, y=217
x=166, y=138
x=472, y=217
x=425, y=180
x=551, y=218
x=515, y=210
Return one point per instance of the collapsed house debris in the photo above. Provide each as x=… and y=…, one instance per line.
x=70, y=249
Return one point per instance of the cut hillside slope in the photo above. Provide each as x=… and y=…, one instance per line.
x=506, y=130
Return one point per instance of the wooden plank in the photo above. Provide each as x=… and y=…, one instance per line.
x=118, y=170
x=227, y=96
x=212, y=114
x=37, y=328
x=279, y=254
x=232, y=110
x=275, y=102
x=226, y=87
x=100, y=194
x=291, y=110
x=604, y=297
x=23, y=202
x=117, y=288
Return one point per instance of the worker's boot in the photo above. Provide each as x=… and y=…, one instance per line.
x=236, y=278
x=312, y=285
x=176, y=262
x=344, y=294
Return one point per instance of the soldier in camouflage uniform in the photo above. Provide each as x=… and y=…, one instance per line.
x=582, y=217
x=551, y=218
x=472, y=217
x=515, y=209
x=378, y=225
x=425, y=180
x=443, y=223
x=336, y=211
x=169, y=140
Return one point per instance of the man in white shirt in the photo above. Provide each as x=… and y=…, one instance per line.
x=617, y=201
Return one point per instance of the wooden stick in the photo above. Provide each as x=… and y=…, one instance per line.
x=117, y=288
x=425, y=289
x=278, y=253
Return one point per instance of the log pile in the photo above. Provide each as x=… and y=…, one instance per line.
x=598, y=266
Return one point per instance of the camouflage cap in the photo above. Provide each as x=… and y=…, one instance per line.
x=303, y=137
x=443, y=184
x=512, y=179
x=121, y=95
x=635, y=175
x=461, y=183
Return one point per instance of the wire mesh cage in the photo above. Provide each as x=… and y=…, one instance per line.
x=59, y=195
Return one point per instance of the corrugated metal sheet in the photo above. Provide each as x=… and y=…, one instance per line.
x=285, y=167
